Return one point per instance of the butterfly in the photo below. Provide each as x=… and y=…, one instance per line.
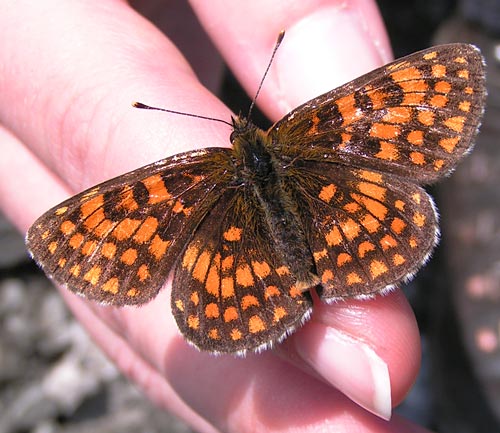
x=330, y=198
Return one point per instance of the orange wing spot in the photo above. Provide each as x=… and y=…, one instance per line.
x=282, y=271
x=179, y=304
x=111, y=286
x=236, y=334
x=347, y=108
x=449, y=144
x=327, y=193
x=294, y=291
x=189, y=258
x=318, y=255
x=430, y=56
x=156, y=188
x=407, y=74
x=158, y=247
x=195, y=298
x=178, y=207
x=230, y=314
x=233, y=234
x=414, y=86
x=399, y=205
x=413, y=242
x=370, y=223
x=94, y=219
x=426, y=117
x=455, y=123
x=249, y=301
x=417, y=198
x=61, y=211
x=365, y=247
x=146, y=230
x=67, y=227
x=227, y=287
x=193, y=322
x=126, y=228
x=89, y=194
x=75, y=270
x=127, y=200
x=244, y=276
x=91, y=206
x=212, y=311
x=419, y=219
x=371, y=176
x=89, y=247
x=384, y=130
x=213, y=334
x=397, y=115
x=413, y=99
x=132, y=293
x=76, y=240
x=52, y=247
x=45, y=234
x=327, y=276
x=464, y=106
x=438, y=164
x=129, y=256
x=388, y=151
x=398, y=225
x=279, y=313
x=342, y=259
x=469, y=90
x=417, y=158
x=200, y=269
x=271, y=291
x=213, y=280
x=415, y=137
x=227, y=263
x=378, y=99
x=398, y=259
x=353, y=278
x=350, y=228
x=256, y=324
x=438, y=71
x=463, y=73
x=103, y=227
x=377, y=268
x=261, y=269
x=376, y=208
x=62, y=262
x=108, y=250
x=442, y=87
x=333, y=237
x=352, y=207
x=143, y=272
x=439, y=101
x=388, y=242
x=93, y=274
x=346, y=138
x=371, y=190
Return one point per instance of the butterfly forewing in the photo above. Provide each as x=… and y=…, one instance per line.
x=117, y=242
x=415, y=117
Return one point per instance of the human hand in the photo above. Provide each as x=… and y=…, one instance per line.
x=67, y=82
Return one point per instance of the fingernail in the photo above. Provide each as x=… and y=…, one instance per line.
x=348, y=364
x=324, y=50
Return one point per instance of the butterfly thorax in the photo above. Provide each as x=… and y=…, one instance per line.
x=262, y=173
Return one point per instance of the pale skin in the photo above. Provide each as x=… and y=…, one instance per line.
x=69, y=72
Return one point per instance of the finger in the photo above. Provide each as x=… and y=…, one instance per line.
x=326, y=44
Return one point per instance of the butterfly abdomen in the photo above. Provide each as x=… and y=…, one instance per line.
x=261, y=173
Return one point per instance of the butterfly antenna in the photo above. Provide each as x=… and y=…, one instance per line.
x=276, y=46
x=198, y=116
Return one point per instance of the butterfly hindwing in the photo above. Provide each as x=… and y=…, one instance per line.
x=231, y=291
x=117, y=242
x=415, y=117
